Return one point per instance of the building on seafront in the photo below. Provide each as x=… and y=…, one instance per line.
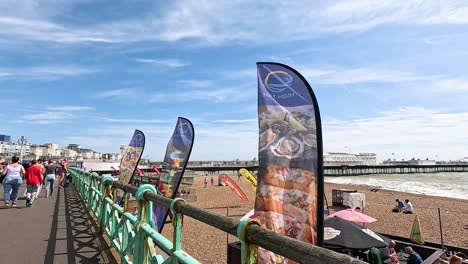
x=27, y=151
x=349, y=159
x=413, y=162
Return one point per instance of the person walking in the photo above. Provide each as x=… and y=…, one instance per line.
x=50, y=178
x=43, y=171
x=33, y=178
x=13, y=178
x=63, y=172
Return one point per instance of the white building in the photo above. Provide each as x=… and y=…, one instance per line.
x=348, y=159
x=8, y=149
x=69, y=154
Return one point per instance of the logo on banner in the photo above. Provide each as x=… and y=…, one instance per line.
x=182, y=129
x=281, y=81
x=277, y=82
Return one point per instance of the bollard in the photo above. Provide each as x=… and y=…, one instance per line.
x=248, y=250
x=145, y=218
x=106, y=192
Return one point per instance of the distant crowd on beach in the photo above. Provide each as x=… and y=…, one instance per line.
x=403, y=207
x=37, y=174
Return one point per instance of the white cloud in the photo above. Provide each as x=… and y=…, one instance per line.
x=46, y=118
x=217, y=22
x=197, y=83
x=235, y=120
x=216, y=95
x=362, y=75
x=407, y=132
x=70, y=108
x=49, y=72
x=238, y=140
x=455, y=85
x=171, y=63
x=114, y=94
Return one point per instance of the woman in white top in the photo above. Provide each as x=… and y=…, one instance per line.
x=14, y=177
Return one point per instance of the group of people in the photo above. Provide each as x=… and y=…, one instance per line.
x=389, y=255
x=405, y=207
x=37, y=174
x=206, y=180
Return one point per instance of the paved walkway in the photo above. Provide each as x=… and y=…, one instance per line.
x=55, y=230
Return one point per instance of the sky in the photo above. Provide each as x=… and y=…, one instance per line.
x=389, y=76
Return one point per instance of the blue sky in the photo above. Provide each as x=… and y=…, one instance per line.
x=390, y=76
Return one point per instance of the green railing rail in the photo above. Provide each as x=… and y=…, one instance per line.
x=136, y=241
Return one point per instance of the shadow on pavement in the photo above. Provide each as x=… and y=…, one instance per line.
x=83, y=243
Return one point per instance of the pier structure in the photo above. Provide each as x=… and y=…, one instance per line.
x=337, y=170
x=393, y=169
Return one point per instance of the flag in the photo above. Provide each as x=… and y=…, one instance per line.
x=130, y=159
x=229, y=182
x=177, y=154
x=416, y=233
x=140, y=172
x=289, y=197
x=249, y=177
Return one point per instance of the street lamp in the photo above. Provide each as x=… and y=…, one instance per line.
x=21, y=141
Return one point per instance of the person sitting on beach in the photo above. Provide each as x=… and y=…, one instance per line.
x=408, y=207
x=374, y=256
x=413, y=258
x=399, y=207
x=388, y=251
x=455, y=260
x=394, y=259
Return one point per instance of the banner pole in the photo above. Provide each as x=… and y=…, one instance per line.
x=440, y=227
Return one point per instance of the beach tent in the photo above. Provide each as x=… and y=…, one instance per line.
x=353, y=216
x=416, y=232
x=339, y=233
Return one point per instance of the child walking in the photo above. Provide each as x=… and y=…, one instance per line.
x=33, y=178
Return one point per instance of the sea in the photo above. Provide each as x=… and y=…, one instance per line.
x=452, y=184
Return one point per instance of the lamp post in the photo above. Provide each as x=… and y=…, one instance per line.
x=21, y=141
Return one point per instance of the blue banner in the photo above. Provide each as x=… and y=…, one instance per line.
x=289, y=196
x=177, y=154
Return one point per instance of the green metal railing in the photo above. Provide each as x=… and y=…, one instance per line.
x=136, y=240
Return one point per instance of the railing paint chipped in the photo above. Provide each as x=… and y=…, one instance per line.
x=136, y=240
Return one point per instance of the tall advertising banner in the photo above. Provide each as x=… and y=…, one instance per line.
x=249, y=177
x=177, y=154
x=131, y=158
x=234, y=187
x=289, y=196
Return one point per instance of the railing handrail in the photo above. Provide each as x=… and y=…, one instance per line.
x=290, y=248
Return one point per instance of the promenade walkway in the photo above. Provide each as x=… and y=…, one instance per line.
x=55, y=230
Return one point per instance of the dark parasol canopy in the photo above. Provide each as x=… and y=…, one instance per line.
x=339, y=233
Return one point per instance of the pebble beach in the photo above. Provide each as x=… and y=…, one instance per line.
x=208, y=244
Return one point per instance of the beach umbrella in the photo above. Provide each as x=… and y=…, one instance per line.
x=353, y=216
x=339, y=233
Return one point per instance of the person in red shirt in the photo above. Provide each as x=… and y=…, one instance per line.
x=33, y=178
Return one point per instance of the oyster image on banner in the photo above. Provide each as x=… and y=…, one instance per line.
x=288, y=147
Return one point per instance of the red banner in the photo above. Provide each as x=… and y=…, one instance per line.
x=156, y=170
x=140, y=172
x=226, y=179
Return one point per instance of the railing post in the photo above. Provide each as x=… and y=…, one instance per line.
x=145, y=217
x=106, y=192
x=177, y=221
x=248, y=251
x=92, y=179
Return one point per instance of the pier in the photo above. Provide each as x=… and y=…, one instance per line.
x=394, y=169
x=338, y=170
